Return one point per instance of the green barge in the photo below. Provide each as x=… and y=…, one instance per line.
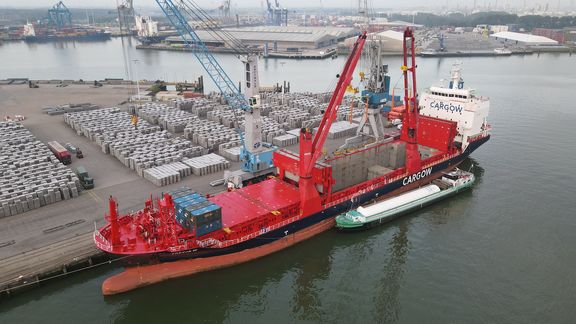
x=386, y=210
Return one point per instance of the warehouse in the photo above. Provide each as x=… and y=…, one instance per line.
x=391, y=41
x=523, y=39
x=287, y=38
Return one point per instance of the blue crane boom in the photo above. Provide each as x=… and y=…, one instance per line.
x=255, y=156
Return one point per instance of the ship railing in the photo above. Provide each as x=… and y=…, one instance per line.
x=367, y=188
x=260, y=232
x=101, y=242
x=209, y=242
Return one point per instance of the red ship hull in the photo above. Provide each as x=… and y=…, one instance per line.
x=184, y=263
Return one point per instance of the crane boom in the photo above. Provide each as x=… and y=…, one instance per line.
x=335, y=100
x=255, y=156
x=410, y=124
x=311, y=148
x=226, y=86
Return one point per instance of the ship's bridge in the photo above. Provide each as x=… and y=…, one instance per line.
x=458, y=104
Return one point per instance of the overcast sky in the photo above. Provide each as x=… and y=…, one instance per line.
x=553, y=4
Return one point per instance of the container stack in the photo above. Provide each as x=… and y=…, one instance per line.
x=30, y=175
x=195, y=213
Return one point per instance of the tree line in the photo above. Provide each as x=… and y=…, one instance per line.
x=489, y=18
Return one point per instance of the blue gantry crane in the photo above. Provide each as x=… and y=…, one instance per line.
x=255, y=156
x=276, y=15
x=59, y=15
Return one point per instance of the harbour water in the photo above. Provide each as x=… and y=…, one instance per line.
x=502, y=252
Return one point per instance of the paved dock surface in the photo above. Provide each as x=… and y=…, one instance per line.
x=46, y=237
x=51, y=236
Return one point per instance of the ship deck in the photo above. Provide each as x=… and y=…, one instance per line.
x=256, y=200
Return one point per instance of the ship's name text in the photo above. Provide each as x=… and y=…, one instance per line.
x=445, y=106
x=417, y=176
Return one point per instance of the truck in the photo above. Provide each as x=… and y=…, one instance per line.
x=60, y=152
x=85, y=180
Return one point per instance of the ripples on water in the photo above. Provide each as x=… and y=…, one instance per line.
x=502, y=252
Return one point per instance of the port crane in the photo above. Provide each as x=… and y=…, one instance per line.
x=59, y=15
x=126, y=16
x=255, y=155
x=225, y=10
x=276, y=15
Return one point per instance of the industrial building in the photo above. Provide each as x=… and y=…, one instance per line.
x=391, y=40
x=523, y=39
x=282, y=38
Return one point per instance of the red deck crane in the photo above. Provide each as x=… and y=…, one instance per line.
x=310, y=174
x=409, y=127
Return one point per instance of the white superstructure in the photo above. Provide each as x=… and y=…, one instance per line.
x=458, y=104
x=146, y=27
x=29, y=30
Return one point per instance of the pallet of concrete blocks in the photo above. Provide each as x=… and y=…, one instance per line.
x=268, y=136
x=285, y=140
x=225, y=116
x=201, y=125
x=30, y=175
x=343, y=113
x=63, y=109
x=230, y=150
x=175, y=123
x=105, y=123
x=232, y=153
x=217, y=97
x=312, y=122
x=210, y=138
x=295, y=132
x=207, y=164
x=167, y=174
x=342, y=129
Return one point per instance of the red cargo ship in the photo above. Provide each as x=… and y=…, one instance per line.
x=183, y=233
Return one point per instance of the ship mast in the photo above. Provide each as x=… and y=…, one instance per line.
x=409, y=127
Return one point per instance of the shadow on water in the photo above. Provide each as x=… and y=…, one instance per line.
x=58, y=286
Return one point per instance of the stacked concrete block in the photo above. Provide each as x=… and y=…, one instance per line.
x=232, y=153
x=226, y=116
x=30, y=175
x=295, y=132
x=148, y=150
x=207, y=164
x=103, y=125
x=285, y=140
x=342, y=129
x=312, y=122
x=230, y=150
x=209, y=134
x=167, y=174
x=68, y=108
x=172, y=119
x=138, y=148
x=376, y=171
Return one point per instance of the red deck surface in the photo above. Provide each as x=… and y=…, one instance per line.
x=255, y=200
